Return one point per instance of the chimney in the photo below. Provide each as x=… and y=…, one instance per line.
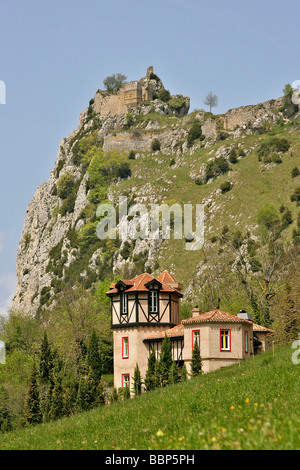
x=245, y=316
x=196, y=311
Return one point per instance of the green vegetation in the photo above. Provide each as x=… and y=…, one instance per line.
x=253, y=405
x=114, y=82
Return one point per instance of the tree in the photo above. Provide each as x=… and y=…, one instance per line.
x=165, y=360
x=173, y=374
x=211, y=101
x=46, y=359
x=33, y=413
x=137, y=381
x=150, y=373
x=114, y=82
x=183, y=373
x=94, y=357
x=57, y=404
x=196, y=364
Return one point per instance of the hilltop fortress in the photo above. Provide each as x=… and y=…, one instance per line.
x=131, y=95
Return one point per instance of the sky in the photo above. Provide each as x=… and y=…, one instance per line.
x=55, y=54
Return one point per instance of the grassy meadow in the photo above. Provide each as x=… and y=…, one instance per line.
x=252, y=405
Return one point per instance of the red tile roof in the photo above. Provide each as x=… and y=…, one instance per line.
x=137, y=284
x=176, y=331
x=261, y=329
x=165, y=276
x=215, y=316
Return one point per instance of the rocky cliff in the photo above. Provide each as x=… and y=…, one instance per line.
x=152, y=151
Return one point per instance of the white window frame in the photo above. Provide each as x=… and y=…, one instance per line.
x=125, y=304
x=153, y=304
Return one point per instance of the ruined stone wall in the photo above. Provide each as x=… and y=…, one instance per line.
x=247, y=115
x=125, y=100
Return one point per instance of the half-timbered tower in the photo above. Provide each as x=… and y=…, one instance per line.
x=141, y=306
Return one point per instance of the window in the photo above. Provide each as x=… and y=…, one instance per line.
x=126, y=380
x=196, y=337
x=125, y=347
x=246, y=342
x=153, y=302
x=225, y=340
x=124, y=304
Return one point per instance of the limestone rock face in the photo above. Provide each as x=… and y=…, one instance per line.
x=47, y=249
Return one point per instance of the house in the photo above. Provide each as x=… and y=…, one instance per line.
x=146, y=308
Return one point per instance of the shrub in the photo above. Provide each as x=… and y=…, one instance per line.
x=276, y=144
x=155, y=145
x=233, y=156
x=268, y=216
x=164, y=95
x=286, y=219
x=226, y=186
x=295, y=197
x=295, y=172
x=195, y=132
x=216, y=167
x=65, y=185
x=132, y=155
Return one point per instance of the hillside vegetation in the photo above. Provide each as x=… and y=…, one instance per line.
x=253, y=405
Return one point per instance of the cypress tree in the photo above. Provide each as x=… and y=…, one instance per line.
x=150, y=373
x=196, y=364
x=173, y=374
x=126, y=393
x=100, y=398
x=46, y=359
x=165, y=360
x=137, y=381
x=93, y=356
x=33, y=412
x=183, y=373
x=57, y=405
x=157, y=375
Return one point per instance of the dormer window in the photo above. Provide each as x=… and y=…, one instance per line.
x=153, y=301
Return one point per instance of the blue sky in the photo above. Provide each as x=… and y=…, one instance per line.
x=54, y=55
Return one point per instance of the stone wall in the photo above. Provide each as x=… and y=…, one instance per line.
x=125, y=100
x=249, y=115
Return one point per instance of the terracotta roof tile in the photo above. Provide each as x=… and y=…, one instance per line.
x=215, y=316
x=165, y=276
x=176, y=331
x=137, y=284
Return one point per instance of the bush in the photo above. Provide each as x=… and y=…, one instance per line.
x=164, y=95
x=216, y=167
x=268, y=216
x=155, y=145
x=233, y=156
x=295, y=197
x=295, y=172
x=132, y=155
x=195, y=132
x=65, y=185
x=276, y=144
x=226, y=186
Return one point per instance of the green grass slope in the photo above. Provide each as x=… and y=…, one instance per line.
x=253, y=405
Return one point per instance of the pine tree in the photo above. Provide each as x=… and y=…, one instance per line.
x=33, y=412
x=57, y=405
x=46, y=359
x=100, y=397
x=173, y=374
x=183, y=373
x=150, y=373
x=165, y=360
x=126, y=393
x=94, y=357
x=196, y=364
x=157, y=375
x=137, y=381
